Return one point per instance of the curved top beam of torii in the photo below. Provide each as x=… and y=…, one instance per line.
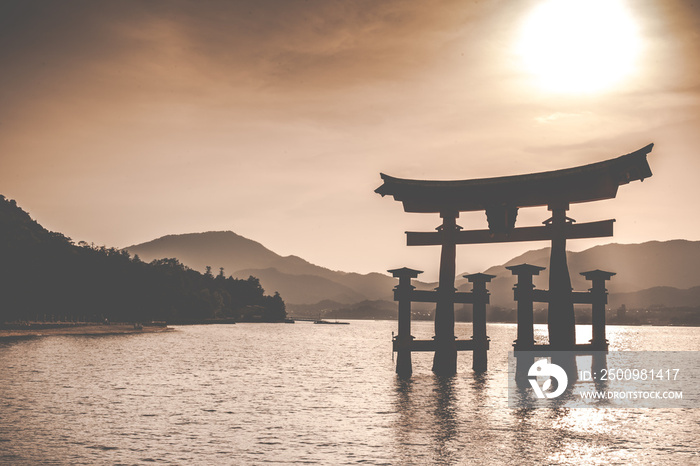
x=593, y=182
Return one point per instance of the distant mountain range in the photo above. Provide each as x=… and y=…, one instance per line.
x=653, y=273
x=648, y=272
x=298, y=281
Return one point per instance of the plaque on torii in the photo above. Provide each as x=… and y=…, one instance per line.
x=501, y=198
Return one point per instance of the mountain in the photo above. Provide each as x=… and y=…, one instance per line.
x=213, y=248
x=638, y=267
x=655, y=272
x=298, y=281
x=303, y=288
x=658, y=296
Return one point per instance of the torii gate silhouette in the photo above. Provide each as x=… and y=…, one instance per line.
x=501, y=198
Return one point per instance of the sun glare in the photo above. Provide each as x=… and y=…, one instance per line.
x=579, y=46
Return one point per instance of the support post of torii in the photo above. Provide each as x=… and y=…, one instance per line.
x=402, y=294
x=560, y=317
x=599, y=298
x=524, y=297
x=480, y=300
x=445, y=359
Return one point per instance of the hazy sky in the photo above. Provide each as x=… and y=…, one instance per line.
x=123, y=121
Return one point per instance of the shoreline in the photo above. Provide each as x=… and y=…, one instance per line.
x=81, y=329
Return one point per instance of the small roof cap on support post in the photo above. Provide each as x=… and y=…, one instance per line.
x=479, y=277
x=405, y=272
x=598, y=274
x=528, y=269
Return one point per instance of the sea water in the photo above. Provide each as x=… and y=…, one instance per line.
x=312, y=394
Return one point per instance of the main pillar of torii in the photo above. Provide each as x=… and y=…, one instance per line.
x=501, y=198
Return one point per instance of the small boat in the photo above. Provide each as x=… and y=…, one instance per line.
x=288, y=321
x=321, y=321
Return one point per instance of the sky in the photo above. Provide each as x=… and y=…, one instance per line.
x=121, y=122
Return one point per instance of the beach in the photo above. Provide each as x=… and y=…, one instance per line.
x=69, y=328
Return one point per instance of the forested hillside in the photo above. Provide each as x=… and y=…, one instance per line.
x=44, y=275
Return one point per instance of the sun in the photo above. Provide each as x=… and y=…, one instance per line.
x=579, y=46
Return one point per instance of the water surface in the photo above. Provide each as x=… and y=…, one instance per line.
x=313, y=394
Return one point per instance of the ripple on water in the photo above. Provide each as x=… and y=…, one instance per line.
x=317, y=396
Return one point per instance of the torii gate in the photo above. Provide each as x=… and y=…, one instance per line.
x=501, y=198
